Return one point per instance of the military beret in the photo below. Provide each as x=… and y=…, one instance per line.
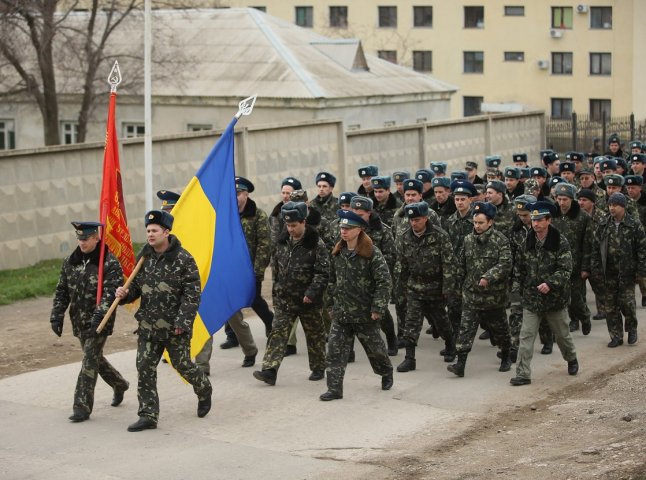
x=84, y=230
x=617, y=199
x=242, y=184
x=519, y=157
x=363, y=203
x=638, y=157
x=298, y=196
x=621, y=163
x=566, y=190
x=159, y=217
x=539, y=172
x=413, y=184
x=497, y=185
x=368, y=171
x=613, y=138
x=526, y=172
x=567, y=167
x=459, y=175
x=485, y=208
x=471, y=166
x=424, y=175
x=541, y=209
x=325, y=177
x=293, y=212
x=512, y=172
x=442, y=182
x=292, y=182
x=521, y=201
x=614, y=180
x=463, y=187
x=349, y=219
x=549, y=158
x=401, y=176
x=438, y=167
x=492, y=161
x=381, y=182
x=554, y=181
x=635, y=144
x=414, y=210
x=634, y=180
x=587, y=193
x=346, y=197
x=168, y=198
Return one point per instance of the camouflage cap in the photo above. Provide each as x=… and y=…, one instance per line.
x=361, y=203
x=531, y=185
x=298, y=196
x=292, y=212
x=415, y=210
x=471, y=166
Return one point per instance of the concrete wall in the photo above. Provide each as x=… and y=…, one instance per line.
x=42, y=190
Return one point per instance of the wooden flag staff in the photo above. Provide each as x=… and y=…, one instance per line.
x=114, y=305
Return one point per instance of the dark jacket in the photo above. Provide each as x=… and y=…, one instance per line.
x=256, y=232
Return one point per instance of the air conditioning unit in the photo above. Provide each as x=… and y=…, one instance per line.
x=580, y=8
x=556, y=32
x=543, y=64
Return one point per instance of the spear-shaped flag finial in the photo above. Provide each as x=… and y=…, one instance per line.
x=114, y=78
x=245, y=107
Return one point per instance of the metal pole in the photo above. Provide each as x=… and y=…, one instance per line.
x=148, y=144
x=575, y=131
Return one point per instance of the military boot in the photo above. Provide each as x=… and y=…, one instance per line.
x=449, y=350
x=458, y=367
x=505, y=361
x=409, y=363
x=391, y=342
x=574, y=325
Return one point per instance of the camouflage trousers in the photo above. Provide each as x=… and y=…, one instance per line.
x=284, y=321
x=93, y=365
x=620, y=301
x=598, y=288
x=432, y=307
x=494, y=319
x=399, y=298
x=578, y=310
x=149, y=353
x=454, y=308
x=338, y=347
x=515, y=321
x=325, y=317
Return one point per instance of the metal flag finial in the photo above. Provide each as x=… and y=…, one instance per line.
x=114, y=78
x=245, y=107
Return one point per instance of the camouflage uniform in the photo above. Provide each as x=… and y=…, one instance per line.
x=517, y=237
x=443, y=211
x=327, y=207
x=596, y=278
x=76, y=288
x=299, y=269
x=387, y=210
x=458, y=228
x=504, y=216
x=169, y=286
x=359, y=284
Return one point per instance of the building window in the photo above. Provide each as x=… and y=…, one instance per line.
x=562, y=63
x=598, y=107
x=601, y=17
x=388, y=17
x=304, y=16
x=339, y=17
x=600, y=64
x=390, y=55
x=561, y=108
x=473, y=17
x=514, y=56
x=7, y=135
x=133, y=130
x=561, y=17
x=473, y=62
x=262, y=9
x=423, y=16
x=69, y=132
x=422, y=60
x=198, y=127
x=472, y=106
x=514, y=11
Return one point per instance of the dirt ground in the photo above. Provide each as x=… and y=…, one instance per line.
x=592, y=430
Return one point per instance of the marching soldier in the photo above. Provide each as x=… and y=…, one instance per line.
x=386, y=203
x=442, y=204
x=366, y=173
x=287, y=187
x=495, y=194
x=325, y=202
x=512, y=181
x=399, y=178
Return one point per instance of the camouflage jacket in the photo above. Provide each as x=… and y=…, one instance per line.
x=256, y=231
x=77, y=286
x=299, y=269
x=359, y=282
x=401, y=224
x=619, y=251
x=327, y=206
x=640, y=205
x=443, y=211
x=387, y=210
x=578, y=228
x=458, y=227
x=426, y=263
x=547, y=262
x=169, y=286
x=276, y=223
x=504, y=217
x=487, y=256
x=516, y=192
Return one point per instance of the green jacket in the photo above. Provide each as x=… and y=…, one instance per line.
x=387, y=210
x=458, y=228
x=256, y=231
x=327, y=206
x=578, y=228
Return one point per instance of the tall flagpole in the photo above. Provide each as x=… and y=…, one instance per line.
x=148, y=144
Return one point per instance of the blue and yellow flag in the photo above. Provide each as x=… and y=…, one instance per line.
x=207, y=223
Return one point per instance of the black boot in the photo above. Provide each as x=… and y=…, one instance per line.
x=513, y=355
x=391, y=342
x=268, y=376
x=505, y=361
x=458, y=367
x=409, y=364
x=574, y=325
x=449, y=353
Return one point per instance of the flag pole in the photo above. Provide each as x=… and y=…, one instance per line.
x=116, y=301
x=148, y=143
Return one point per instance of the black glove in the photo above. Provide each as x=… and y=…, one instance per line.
x=57, y=327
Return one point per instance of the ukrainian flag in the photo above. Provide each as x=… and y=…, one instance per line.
x=207, y=223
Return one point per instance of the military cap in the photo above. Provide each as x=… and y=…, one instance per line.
x=485, y=208
x=349, y=219
x=459, y=175
x=293, y=212
x=497, y=185
x=414, y=210
x=539, y=172
x=567, y=167
x=168, y=198
x=413, y=184
x=493, y=161
x=555, y=181
x=521, y=201
x=526, y=172
x=325, y=177
x=368, y=171
x=480, y=188
x=292, y=182
x=519, y=157
x=531, y=184
x=576, y=156
x=634, y=180
x=471, y=166
x=600, y=159
x=541, y=209
x=381, y=182
x=638, y=157
x=159, y=217
x=442, y=182
x=401, y=176
x=84, y=230
x=363, y=203
x=590, y=155
x=512, y=172
x=438, y=167
x=242, y=184
x=494, y=172
x=617, y=199
x=614, y=138
x=298, y=196
x=614, y=180
x=585, y=171
x=621, y=163
x=549, y=158
x=542, y=153
x=424, y=175
x=635, y=144
x=346, y=197
x=566, y=190
x=587, y=193
x=463, y=187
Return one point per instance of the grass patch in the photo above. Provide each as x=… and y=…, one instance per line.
x=36, y=281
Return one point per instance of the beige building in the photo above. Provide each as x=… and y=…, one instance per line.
x=557, y=56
